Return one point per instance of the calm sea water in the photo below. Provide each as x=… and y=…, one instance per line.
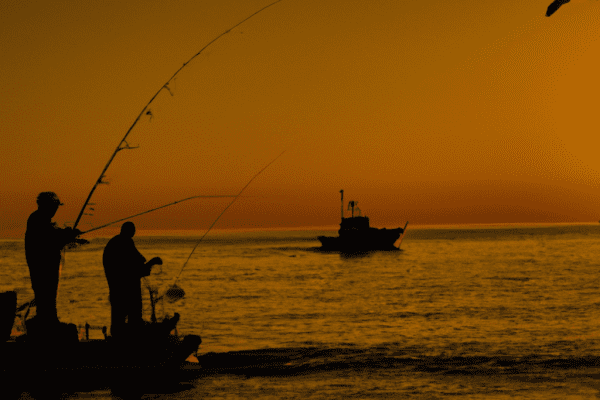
x=470, y=313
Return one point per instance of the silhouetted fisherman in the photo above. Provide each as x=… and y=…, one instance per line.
x=124, y=267
x=555, y=6
x=44, y=242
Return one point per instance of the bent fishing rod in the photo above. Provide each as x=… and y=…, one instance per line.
x=123, y=145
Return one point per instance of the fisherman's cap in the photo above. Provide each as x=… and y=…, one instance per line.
x=48, y=198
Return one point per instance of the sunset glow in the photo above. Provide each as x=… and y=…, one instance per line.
x=432, y=112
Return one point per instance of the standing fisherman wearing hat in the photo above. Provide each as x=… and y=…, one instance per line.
x=44, y=242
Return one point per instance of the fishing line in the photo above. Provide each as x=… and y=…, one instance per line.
x=175, y=292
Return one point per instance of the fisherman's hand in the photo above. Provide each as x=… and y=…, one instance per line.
x=148, y=266
x=156, y=261
x=72, y=231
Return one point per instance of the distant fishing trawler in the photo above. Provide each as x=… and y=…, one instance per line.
x=355, y=234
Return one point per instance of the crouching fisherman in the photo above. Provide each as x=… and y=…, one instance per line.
x=124, y=267
x=44, y=242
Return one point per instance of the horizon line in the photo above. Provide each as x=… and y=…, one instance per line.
x=109, y=232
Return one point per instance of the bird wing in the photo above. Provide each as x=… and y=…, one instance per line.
x=555, y=6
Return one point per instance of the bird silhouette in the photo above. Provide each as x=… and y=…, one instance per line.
x=555, y=6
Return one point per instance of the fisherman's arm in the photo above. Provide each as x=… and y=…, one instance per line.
x=144, y=268
x=147, y=268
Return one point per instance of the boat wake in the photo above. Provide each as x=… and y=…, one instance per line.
x=315, y=360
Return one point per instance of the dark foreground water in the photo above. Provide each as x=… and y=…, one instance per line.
x=485, y=313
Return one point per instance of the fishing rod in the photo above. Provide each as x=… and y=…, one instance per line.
x=175, y=292
x=154, y=209
x=123, y=145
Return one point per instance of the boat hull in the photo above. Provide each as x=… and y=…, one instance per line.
x=355, y=240
x=89, y=364
x=98, y=354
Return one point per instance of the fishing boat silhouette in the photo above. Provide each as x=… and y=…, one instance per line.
x=356, y=235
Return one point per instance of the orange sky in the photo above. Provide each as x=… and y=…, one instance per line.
x=429, y=111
